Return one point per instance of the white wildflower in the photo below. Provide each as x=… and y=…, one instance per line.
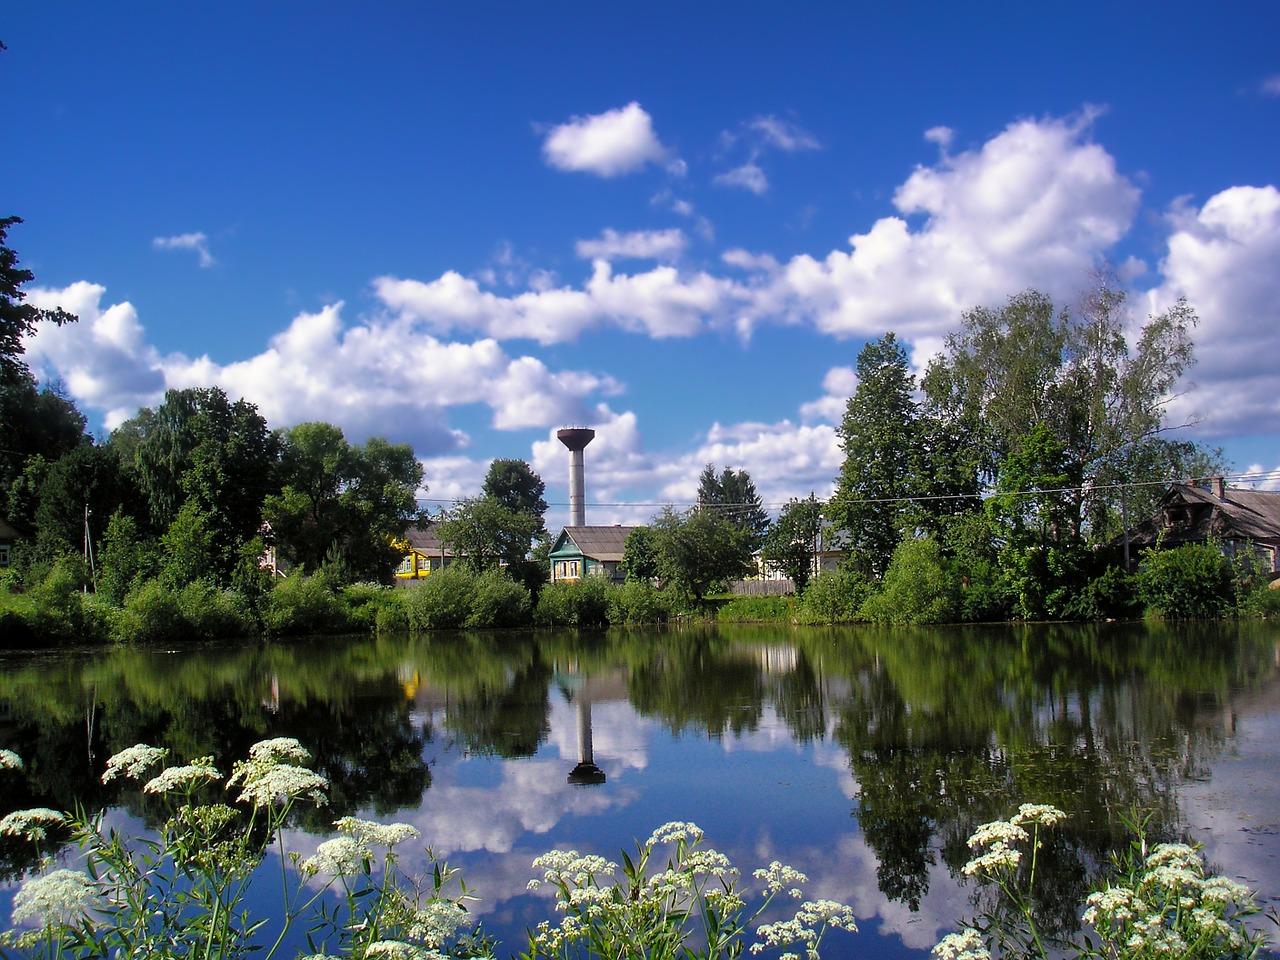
x=1040, y=813
x=1178, y=855
x=341, y=856
x=1224, y=890
x=10, y=760
x=184, y=777
x=279, y=750
x=998, y=857
x=398, y=950
x=673, y=831
x=133, y=761
x=33, y=824
x=1118, y=904
x=373, y=834
x=60, y=898
x=966, y=945
x=998, y=831
x=778, y=876
x=278, y=783
x=436, y=922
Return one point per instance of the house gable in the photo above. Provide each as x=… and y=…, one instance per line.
x=589, y=551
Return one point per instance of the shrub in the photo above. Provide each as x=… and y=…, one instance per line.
x=442, y=601
x=213, y=614
x=304, y=604
x=498, y=601
x=393, y=613
x=151, y=614
x=776, y=609
x=363, y=601
x=833, y=598
x=917, y=587
x=1108, y=596
x=574, y=603
x=58, y=612
x=636, y=602
x=1190, y=582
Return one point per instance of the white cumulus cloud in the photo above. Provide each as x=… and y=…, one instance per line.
x=1222, y=257
x=664, y=245
x=606, y=144
x=198, y=242
x=749, y=176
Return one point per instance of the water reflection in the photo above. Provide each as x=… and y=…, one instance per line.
x=864, y=756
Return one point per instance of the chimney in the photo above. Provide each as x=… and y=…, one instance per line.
x=1220, y=487
x=576, y=439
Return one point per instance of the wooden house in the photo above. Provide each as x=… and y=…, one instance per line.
x=1242, y=521
x=8, y=536
x=589, y=552
x=427, y=553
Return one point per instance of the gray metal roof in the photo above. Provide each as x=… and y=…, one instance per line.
x=599, y=543
x=425, y=538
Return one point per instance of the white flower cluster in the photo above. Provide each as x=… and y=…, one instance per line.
x=674, y=831
x=59, y=898
x=370, y=833
x=1039, y=813
x=184, y=777
x=33, y=824
x=1000, y=836
x=10, y=760
x=133, y=762
x=399, y=950
x=272, y=776
x=806, y=927
x=966, y=945
x=778, y=876
x=436, y=922
x=341, y=856
x=1171, y=903
x=571, y=869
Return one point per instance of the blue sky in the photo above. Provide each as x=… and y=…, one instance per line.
x=463, y=226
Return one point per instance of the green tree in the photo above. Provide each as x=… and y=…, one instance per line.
x=198, y=446
x=732, y=494
x=484, y=532
x=18, y=319
x=342, y=502
x=698, y=550
x=880, y=436
x=1031, y=363
x=640, y=555
x=516, y=487
x=792, y=542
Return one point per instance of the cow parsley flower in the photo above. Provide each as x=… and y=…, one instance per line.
x=279, y=750
x=33, y=824
x=59, y=898
x=398, y=950
x=1040, y=813
x=184, y=777
x=966, y=945
x=10, y=760
x=133, y=761
x=370, y=833
x=778, y=876
x=998, y=857
x=673, y=831
x=998, y=831
x=277, y=784
x=436, y=922
x=341, y=856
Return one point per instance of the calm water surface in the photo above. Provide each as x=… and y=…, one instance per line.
x=864, y=757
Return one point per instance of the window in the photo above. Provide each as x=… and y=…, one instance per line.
x=4, y=554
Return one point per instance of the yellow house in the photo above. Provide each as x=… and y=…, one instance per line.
x=424, y=553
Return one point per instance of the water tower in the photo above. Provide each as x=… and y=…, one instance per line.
x=576, y=439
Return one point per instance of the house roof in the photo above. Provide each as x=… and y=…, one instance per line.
x=1238, y=514
x=425, y=538
x=598, y=543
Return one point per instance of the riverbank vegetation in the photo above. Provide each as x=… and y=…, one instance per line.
x=992, y=489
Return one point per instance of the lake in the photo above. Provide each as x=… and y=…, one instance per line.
x=862, y=756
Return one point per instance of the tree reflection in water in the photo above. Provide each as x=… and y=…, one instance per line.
x=940, y=730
